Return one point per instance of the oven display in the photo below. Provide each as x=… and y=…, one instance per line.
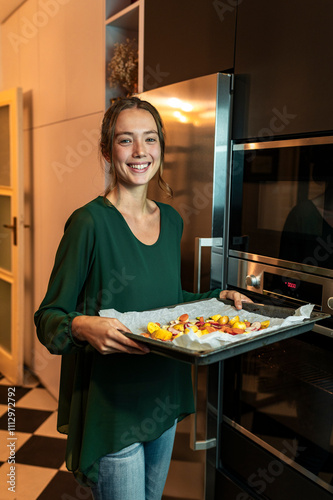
x=294, y=288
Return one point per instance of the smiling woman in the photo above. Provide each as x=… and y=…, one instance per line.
x=118, y=402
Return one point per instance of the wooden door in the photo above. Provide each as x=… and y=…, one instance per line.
x=11, y=235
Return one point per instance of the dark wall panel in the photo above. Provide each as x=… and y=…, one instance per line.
x=187, y=38
x=283, y=68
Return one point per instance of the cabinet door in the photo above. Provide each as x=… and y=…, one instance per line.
x=187, y=39
x=283, y=68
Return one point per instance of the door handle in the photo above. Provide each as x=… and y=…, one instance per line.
x=199, y=243
x=14, y=229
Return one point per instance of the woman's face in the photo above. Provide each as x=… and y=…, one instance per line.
x=136, y=149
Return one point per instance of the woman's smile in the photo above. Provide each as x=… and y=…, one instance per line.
x=140, y=167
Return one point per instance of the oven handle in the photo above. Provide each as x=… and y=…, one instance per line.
x=323, y=330
x=196, y=444
x=198, y=244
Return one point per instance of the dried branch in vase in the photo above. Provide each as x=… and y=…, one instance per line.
x=123, y=67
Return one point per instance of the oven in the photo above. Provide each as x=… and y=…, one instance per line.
x=276, y=438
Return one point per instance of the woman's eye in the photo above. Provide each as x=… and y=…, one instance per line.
x=151, y=139
x=125, y=141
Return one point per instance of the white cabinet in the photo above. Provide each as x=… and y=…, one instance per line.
x=124, y=19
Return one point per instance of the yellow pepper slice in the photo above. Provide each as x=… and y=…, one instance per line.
x=151, y=327
x=239, y=324
x=233, y=320
x=162, y=334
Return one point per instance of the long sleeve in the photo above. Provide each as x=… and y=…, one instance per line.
x=189, y=296
x=71, y=268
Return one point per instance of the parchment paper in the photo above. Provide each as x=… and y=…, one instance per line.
x=137, y=322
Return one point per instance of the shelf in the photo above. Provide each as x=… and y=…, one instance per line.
x=127, y=18
x=124, y=19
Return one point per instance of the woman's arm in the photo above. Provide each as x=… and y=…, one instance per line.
x=104, y=335
x=60, y=305
x=61, y=320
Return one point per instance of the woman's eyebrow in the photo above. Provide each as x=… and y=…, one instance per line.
x=132, y=133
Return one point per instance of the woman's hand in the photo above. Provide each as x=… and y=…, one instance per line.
x=104, y=335
x=237, y=297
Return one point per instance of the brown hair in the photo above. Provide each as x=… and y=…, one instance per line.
x=107, y=136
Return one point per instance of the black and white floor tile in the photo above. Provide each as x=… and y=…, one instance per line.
x=36, y=446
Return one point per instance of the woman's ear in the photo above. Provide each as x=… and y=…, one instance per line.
x=105, y=153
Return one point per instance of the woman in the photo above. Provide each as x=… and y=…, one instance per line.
x=118, y=403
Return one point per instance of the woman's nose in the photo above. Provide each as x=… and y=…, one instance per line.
x=139, y=148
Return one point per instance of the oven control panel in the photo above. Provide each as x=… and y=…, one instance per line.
x=281, y=284
x=292, y=287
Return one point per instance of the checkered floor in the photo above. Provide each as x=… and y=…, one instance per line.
x=39, y=450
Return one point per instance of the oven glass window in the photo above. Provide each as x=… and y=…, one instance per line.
x=283, y=395
x=282, y=203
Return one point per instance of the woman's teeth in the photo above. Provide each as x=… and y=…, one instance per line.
x=139, y=167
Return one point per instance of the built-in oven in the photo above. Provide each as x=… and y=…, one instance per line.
x=276, y=430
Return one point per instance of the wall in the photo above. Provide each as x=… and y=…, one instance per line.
x=54, y=50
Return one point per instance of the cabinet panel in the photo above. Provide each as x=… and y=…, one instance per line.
x=186, y=39
x=84, y=57
x=283, y=67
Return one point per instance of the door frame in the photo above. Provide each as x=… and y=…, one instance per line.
x=11, y=364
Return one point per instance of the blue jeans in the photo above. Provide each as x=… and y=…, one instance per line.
x=137, y=472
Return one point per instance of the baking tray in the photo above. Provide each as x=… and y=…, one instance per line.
x=244, y=344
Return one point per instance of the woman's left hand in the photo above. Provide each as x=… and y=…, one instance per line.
x=237, y=297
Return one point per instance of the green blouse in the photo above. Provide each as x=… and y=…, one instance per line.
x=108, y=402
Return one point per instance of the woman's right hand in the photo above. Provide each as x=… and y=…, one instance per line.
x=104, y=335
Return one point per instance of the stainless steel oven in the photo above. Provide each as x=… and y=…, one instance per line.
x=276, y=438
x=280, y=231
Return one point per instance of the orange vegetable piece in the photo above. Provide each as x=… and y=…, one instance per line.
x=210, y=329
x=237, y=330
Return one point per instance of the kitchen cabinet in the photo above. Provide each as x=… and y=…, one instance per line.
x=176, y=40
x=283, y=68
x=187, y=39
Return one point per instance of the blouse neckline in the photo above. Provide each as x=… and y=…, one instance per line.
x=108, y=204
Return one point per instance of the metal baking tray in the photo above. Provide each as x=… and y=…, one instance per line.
x=244, y=344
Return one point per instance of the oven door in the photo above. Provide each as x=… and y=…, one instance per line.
x=276, y=437
x=281, y=202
